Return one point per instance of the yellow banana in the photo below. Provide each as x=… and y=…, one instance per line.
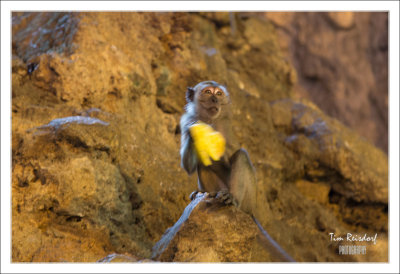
x=208, y=143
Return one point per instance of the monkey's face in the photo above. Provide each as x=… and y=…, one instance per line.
x=210, y=101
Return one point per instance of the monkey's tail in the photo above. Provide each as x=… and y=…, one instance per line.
x=274, y=246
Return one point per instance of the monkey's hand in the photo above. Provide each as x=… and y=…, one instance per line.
x=207, y=142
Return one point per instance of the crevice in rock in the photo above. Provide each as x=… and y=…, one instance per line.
x=366, y=215
x=74, y=141
x=166, y=106
x=75, y=219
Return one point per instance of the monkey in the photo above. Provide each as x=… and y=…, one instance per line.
x=231, y=178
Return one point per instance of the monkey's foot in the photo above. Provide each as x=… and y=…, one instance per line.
x=225, y=197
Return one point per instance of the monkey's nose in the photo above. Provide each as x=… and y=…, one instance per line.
x=214, y=99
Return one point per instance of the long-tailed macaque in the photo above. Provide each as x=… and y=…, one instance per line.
x=229, y=177
x=233, y=174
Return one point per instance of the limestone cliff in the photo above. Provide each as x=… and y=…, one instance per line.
x=96, y=176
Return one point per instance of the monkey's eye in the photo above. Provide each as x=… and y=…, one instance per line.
x=219, y=93
x=207, y=91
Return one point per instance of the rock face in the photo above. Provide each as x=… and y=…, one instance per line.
x=209, y=232
x=342, y=64
x=96, y=103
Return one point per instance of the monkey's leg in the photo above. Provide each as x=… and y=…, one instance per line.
x=200, y=188
x=214, y=181
x=242, y=181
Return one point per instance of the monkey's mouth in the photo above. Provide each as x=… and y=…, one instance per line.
x=213, y=110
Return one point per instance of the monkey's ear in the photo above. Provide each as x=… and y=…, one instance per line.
x=190, y=94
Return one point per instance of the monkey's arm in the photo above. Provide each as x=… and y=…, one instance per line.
x=188, y=154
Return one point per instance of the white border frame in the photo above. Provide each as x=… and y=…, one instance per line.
x=391, y=6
